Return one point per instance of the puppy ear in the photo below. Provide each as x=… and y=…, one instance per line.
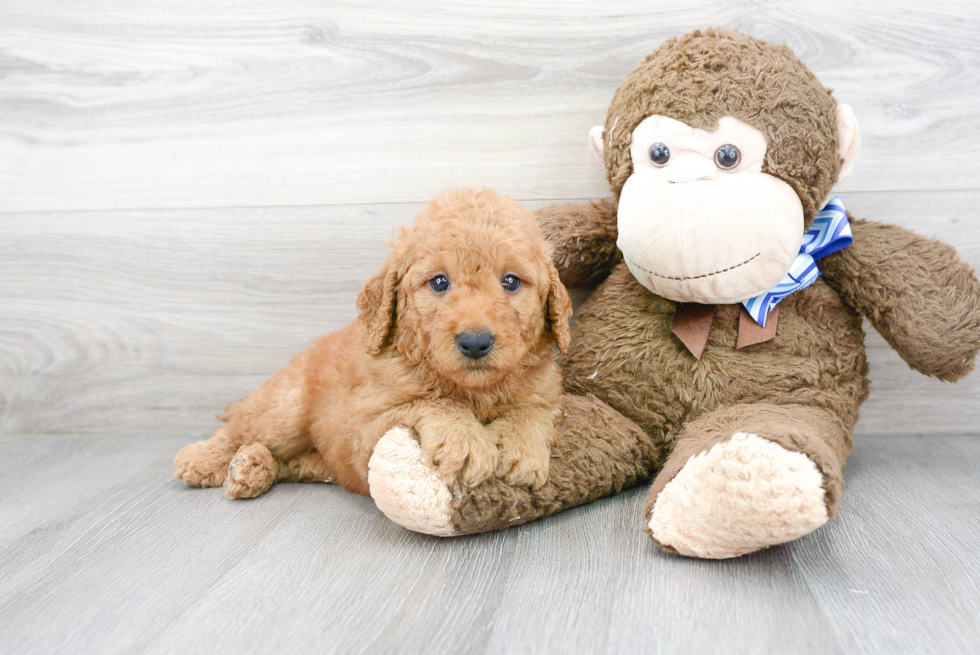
x=559, y=311
x=376, y=304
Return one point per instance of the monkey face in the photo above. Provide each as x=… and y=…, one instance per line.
x=698, y=219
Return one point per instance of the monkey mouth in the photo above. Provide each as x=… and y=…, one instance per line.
x=693, y=277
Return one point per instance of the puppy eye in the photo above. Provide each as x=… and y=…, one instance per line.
x=659, y=154
x=511, y=282
x=727, y=156
x=439, y=283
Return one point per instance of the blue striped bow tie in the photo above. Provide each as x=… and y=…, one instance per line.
x=829, y=233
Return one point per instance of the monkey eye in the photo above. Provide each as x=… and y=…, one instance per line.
x=439, y=283
x=510, y=282
x=659, y=154
x=727, y=156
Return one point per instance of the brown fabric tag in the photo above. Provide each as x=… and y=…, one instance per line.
x=751, y=333
x=691, y=324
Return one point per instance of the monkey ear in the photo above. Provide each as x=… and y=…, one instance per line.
x=559, y=312
x=596, y=135
x=376, y=304
x=848, y=139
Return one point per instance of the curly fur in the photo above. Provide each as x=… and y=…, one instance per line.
x=702, y=76
x=398, y=365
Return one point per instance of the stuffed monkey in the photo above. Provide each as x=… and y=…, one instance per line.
x=722, y=349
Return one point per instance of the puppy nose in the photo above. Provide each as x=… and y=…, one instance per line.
x=474, y=344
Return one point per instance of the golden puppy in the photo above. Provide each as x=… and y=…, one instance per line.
x=453, y=340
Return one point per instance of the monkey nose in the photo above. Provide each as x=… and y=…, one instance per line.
x=690, y=168
x=475, y=344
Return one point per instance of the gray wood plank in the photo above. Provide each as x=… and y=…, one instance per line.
x=373, y=588
x=150, y=566
x=899, y=571
x=44, y=475
x=207, y=104
x=127, y=572
x=136, y=321
x=591, y=581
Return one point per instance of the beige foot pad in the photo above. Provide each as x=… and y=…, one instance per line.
x=405, y=489
x=740, y=496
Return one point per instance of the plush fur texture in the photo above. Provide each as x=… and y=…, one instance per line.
x=405, y=489
x=742, y=492
x=641, y=403
x=702, y=76
x=637, y=401
x=585, y=251
x=694, y=232
x=599, y=452
x=399, y=365
x=915, y=291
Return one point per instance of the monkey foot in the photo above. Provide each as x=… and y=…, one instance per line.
x=405, y=489
x=740, y=496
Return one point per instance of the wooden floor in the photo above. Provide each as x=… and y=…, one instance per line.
x=103, y=552
x=191, y=190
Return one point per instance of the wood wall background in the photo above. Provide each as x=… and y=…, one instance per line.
x=190, y=190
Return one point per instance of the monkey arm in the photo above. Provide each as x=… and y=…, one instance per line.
x=584, y=240
x=916, y=292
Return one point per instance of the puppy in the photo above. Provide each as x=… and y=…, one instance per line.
x=453, y=339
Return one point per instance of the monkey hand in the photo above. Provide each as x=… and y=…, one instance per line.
x=916, y=292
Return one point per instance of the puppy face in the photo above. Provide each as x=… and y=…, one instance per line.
x=471, y=288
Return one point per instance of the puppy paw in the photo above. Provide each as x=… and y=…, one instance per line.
x=523, y=461
x=251, y=472
x=201, y=465
x=470, y=455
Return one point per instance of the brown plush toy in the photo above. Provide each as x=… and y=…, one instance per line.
x=720, y=150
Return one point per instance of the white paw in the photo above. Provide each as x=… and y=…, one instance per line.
x=405, y=489
x=738, y=497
